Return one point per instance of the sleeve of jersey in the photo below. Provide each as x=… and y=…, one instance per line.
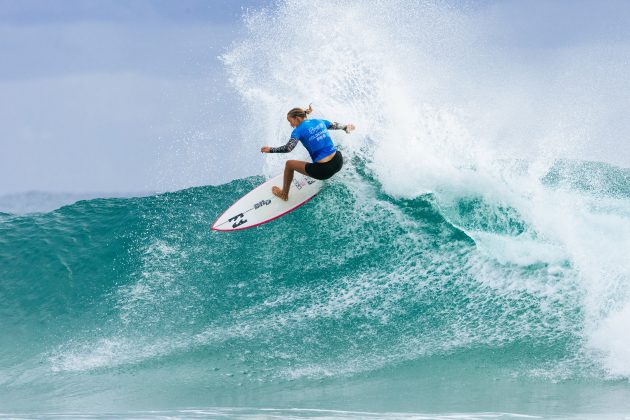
x=286, y=148
x=336, y=126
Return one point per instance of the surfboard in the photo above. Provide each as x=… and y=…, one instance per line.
x=260, y=206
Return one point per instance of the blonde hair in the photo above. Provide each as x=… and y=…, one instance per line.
x=299, y=112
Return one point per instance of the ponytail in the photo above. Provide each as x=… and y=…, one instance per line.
x=299, y=112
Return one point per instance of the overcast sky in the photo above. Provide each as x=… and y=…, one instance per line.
x=116, y=96
x=129, y=95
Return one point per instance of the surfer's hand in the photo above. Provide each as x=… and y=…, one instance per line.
x=265, y=149
x=349, y=128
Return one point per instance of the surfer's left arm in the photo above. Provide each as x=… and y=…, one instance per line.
x=281, y=149
x=336, y=126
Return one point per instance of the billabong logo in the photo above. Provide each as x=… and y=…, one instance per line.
x=299, y=183
x=261, y=203
x=302, y=182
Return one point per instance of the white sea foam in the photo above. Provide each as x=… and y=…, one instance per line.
x=441, y=107
x=612, y=337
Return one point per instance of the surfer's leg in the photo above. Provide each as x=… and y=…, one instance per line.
x=290, y=167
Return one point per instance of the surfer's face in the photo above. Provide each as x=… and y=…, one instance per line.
x=294, y=121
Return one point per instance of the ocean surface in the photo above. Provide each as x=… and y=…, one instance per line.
x=471, y=260
x=356, y=302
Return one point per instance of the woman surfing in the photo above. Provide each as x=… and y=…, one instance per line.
x=313, y=134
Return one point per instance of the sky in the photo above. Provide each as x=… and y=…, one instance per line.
x=116, y=96
x=124, y=96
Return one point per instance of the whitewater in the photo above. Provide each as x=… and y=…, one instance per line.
x=471, y=259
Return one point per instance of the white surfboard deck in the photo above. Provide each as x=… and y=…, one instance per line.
x=260, y=205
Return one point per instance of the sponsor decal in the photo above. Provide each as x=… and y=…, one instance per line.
x=302, y=182
x=261, y=203
x=236, y=220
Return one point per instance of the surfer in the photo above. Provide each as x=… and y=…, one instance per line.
x=313, y=134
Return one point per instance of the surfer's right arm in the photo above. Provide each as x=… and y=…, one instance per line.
x=337, y=126
x=281, y=149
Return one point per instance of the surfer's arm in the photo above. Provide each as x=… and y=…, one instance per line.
x=336, y=126
x=286, y=148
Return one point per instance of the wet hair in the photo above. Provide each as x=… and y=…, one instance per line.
x=299, y=112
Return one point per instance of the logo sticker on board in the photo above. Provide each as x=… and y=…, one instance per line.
x=261, y=203
x=236, y=220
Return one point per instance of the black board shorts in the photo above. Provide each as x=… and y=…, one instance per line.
x=325, y=170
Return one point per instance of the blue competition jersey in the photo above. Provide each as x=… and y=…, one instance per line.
x=314, y=136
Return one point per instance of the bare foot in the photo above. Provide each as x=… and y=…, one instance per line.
x=279, y=193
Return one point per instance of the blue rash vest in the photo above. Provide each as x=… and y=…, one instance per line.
x=314, y=136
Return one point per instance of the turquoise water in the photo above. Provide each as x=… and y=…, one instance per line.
x=469, y=261
x=356, y=302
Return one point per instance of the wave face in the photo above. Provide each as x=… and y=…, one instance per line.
x=454, y=265
x=110, y=302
